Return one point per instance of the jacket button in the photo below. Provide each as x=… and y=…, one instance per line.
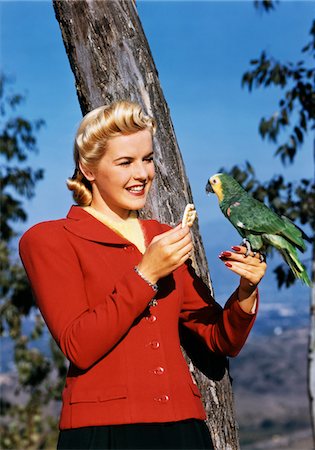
x=155, y=345
x=151, y=319
x=159, y=371
x=128, y=248
x=162, y=399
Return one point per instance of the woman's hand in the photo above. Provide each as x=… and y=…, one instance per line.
x=251, y=270
x=165, y=253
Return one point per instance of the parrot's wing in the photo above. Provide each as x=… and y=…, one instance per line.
x=255, y=217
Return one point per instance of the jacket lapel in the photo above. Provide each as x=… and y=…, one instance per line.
x=84, y=225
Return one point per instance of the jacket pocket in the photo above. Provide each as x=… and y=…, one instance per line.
x=92, y=395
x=195, y=389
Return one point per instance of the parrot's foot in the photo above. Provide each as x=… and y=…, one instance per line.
x=246, y=244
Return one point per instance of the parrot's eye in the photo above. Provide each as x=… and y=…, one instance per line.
x=214, y=181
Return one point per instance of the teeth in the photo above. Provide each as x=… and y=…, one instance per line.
x=136, y=189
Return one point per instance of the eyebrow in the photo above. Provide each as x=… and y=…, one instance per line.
x=131, y=158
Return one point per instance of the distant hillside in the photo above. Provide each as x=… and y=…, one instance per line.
x=270, y=389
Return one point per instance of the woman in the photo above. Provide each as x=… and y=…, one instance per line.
x=112, y=290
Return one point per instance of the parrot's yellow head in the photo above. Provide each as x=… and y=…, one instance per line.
x=214, y=185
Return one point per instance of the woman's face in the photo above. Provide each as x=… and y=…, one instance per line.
x=124, y=175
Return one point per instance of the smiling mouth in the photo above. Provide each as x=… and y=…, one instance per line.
x=136, y=190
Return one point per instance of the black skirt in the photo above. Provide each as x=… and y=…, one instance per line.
x=186, y=434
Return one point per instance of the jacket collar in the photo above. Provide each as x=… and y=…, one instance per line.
x=84, y=225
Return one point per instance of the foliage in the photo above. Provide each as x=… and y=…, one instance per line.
x=294, y=118
x=265, y=5
x=298, y=100
x=16, y=140
x=22, y=425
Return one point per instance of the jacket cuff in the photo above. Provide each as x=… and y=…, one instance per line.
x=140, y=292
x=234, y=303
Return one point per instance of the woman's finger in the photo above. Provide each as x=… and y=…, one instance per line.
x=232, y=256
x=183, y=259
x=177, y=247
x=251, y=273
x=243, y=250
x=171, y=235
x=186, y=250
x=175, y=235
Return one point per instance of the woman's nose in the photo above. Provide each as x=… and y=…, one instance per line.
x=140, y=172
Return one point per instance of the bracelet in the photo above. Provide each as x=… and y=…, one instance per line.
x=154, y=286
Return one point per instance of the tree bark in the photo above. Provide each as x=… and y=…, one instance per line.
x=111, y=59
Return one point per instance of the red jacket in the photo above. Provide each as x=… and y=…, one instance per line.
x=126, y=365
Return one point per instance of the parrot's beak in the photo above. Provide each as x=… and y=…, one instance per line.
x=209, y=189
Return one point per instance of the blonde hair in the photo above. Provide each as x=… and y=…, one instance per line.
x=95, y=130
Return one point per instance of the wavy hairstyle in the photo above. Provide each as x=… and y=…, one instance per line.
x=95, y=130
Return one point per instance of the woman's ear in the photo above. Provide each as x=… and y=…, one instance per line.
x=89, y=175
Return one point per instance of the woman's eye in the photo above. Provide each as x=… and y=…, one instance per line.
x=127, y=162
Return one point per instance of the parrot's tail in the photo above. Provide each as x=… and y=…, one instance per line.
x=294, y=234
x=290, y=256
x=298, y=269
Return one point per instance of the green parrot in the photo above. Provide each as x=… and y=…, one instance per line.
x=258, y=225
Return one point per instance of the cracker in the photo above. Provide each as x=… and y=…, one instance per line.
x=189, y=215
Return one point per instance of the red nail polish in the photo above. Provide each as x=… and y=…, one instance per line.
x=226, y=253
x=228, y=264
x=237, y=249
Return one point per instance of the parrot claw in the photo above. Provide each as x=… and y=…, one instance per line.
x=246, y=244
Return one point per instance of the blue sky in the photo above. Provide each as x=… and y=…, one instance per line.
x=201, y=49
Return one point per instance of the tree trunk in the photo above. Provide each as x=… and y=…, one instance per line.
x=111, y=60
